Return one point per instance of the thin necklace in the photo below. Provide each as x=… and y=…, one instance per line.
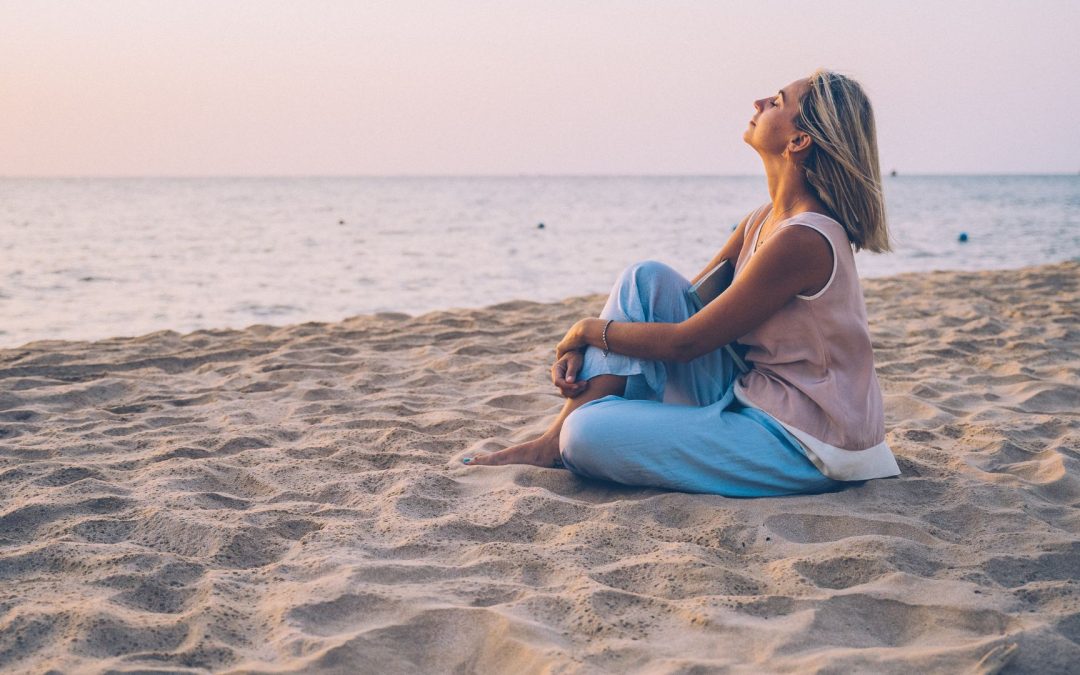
x=759, y=242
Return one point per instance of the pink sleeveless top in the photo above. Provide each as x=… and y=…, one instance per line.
x=813, y=366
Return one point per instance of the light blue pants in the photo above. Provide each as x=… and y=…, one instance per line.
x=678, y=425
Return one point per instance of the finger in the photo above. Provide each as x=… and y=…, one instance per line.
x=564, y=383
x=558, y=372
x=572, y=367
x=566, y=386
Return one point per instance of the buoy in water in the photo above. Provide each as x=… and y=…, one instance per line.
x=963, y=237
x=340, y=222
x=539, y=226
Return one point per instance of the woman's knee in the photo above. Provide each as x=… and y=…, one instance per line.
x=649, y=272
x=651, y=291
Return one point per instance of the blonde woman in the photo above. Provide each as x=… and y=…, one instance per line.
x=654, y=400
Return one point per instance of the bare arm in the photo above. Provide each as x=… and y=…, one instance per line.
x=796, y=260
x=733, y=246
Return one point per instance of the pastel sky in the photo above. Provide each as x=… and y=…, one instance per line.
x=100, y=87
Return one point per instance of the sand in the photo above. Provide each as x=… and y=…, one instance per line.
x=285, y=499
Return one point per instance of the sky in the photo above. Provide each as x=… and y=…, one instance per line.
x=481, y=87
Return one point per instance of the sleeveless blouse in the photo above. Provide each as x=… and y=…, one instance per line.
x=813, y=366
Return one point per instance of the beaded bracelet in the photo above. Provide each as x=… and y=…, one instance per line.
x=604, y=336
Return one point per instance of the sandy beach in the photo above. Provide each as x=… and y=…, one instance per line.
x=290, y=499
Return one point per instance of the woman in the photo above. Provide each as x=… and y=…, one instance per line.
x=654, y=400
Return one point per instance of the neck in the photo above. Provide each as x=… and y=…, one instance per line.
x=789, y=190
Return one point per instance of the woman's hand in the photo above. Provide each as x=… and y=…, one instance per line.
x=573, y=340
x=564, y=374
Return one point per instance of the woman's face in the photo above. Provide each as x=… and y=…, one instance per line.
x=773, y=125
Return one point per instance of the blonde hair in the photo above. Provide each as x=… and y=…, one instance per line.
x=842, y=163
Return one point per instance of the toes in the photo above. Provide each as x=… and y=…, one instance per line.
x=486, y=459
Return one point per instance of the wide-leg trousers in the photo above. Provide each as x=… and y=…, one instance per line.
x=678, y=425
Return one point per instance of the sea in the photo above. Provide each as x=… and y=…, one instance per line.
x=92, y=258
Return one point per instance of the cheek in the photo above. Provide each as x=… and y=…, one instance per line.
x=775, y=125
x=770, y=136
x=766, y=127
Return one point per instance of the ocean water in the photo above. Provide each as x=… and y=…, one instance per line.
x=89, y=258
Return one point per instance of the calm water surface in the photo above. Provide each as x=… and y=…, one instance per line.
x=94, y=258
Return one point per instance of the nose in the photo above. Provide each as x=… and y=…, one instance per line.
x=759, y=104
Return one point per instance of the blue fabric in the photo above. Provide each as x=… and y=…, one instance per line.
x=678, y=425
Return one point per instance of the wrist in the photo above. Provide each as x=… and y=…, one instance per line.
x=582, y=337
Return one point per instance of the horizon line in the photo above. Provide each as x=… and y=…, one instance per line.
x=494, y=175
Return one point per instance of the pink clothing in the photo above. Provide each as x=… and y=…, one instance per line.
x=813, y=366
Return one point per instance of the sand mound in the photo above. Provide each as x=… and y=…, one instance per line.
x=283, y=499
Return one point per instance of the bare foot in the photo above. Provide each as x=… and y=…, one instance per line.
x=543, y=451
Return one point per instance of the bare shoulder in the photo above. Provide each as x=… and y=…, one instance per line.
x=804, y=253
x=804, y=235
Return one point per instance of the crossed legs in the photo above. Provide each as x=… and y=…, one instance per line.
x=647, y=291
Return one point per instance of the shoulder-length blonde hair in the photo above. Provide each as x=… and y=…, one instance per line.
x=842, y=164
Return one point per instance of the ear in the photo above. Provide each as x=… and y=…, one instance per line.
x=799, y=143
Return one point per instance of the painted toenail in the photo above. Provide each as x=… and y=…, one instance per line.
x=466, y=460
